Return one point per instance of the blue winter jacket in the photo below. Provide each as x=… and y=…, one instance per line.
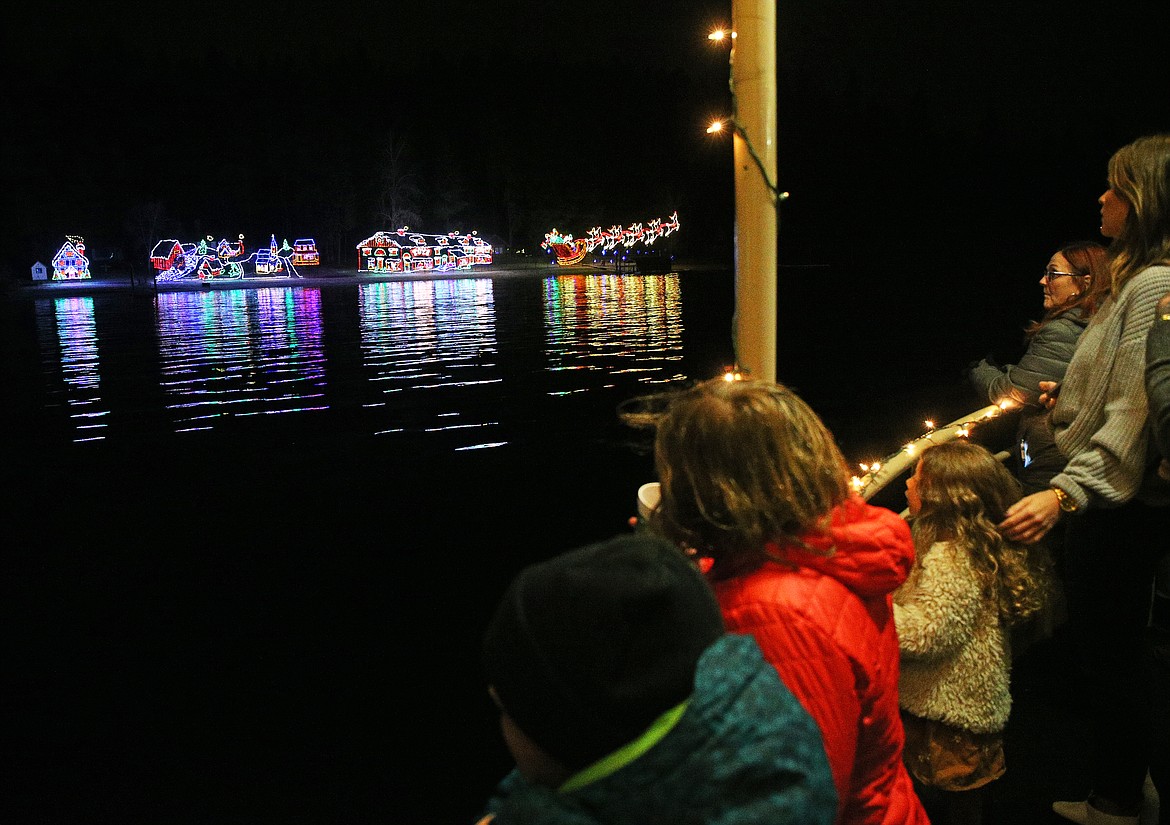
x=744, y=751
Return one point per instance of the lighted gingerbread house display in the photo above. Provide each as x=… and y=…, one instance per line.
x=70, y=263
x=406, y=251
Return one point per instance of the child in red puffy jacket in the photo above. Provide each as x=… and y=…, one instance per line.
x=753, y=482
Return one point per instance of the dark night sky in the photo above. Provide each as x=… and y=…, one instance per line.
x=926, y=146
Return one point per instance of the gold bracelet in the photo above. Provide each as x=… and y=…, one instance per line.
x=1064, y=500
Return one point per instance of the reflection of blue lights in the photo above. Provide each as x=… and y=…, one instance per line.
x=240, y=353
x=77, y=345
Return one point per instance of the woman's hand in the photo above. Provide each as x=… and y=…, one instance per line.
x=1048, y=393
x=1030, y=518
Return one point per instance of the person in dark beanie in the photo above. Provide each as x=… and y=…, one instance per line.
x=623, y=700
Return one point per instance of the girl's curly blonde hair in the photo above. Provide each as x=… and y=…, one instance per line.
x=965, y=492
x=743, y=464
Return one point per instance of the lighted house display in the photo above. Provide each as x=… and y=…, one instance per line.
x=304, y=252
x=225, y=260
x=167, y=257
x=70, y=263
x=570, y=251
x=406, y=251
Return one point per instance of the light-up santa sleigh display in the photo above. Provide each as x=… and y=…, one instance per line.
x=228, y=260
x=570, y=251
x=406, y=251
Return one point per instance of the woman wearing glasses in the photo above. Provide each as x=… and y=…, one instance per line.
x=1115, y=504
x=1073, y=283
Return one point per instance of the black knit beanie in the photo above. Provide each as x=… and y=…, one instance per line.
x=588, y=648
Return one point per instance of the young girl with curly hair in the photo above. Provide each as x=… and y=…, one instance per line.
x=969, y=584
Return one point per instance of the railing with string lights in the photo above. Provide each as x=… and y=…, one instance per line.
x=878, y=474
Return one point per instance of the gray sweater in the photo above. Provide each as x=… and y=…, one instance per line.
x=1158, y=383
x=1101, y=415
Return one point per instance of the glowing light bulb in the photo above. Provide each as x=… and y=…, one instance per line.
x=715, y=127
x=929, y=424
x=717, y=35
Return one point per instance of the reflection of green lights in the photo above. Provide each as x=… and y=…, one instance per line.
x=254, y=349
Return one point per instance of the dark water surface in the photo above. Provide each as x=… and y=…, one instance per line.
x=253, y=535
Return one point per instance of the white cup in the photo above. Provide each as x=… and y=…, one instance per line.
x=649, y=494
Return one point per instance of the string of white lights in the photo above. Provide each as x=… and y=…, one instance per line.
x=778, y=197
x=878, y=474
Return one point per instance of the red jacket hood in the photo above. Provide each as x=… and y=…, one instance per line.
x=869, y=549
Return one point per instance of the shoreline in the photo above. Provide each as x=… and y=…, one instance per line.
x=323, y=276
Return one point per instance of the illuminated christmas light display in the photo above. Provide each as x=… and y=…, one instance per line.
x=406, y=251
x=570, y=251
x=304, y=252
x=70, y=263
x=226, y=260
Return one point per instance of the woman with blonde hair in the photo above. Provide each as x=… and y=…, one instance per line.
x=753, y=482
x=1111, y=495
x=969, y=585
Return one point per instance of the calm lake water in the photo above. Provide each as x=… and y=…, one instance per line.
x=253, y=535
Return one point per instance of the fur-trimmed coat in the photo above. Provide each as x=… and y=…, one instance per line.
x=956, y=659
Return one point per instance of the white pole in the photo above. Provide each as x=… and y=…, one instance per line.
x=753, y=78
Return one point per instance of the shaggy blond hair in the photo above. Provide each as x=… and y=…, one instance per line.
x=743, y=464
x=965, y=492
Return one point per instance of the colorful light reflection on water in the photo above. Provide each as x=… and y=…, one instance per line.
x=462, y=363
x=240, y=353
x=437, y=336
x=613, y=325
x=75, y=351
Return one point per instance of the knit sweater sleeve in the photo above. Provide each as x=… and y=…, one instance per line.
x=1046, y=359
x=936, y=610
x=1158, y=383
x=1107, y=439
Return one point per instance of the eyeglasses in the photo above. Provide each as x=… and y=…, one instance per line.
x=1049, y=277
